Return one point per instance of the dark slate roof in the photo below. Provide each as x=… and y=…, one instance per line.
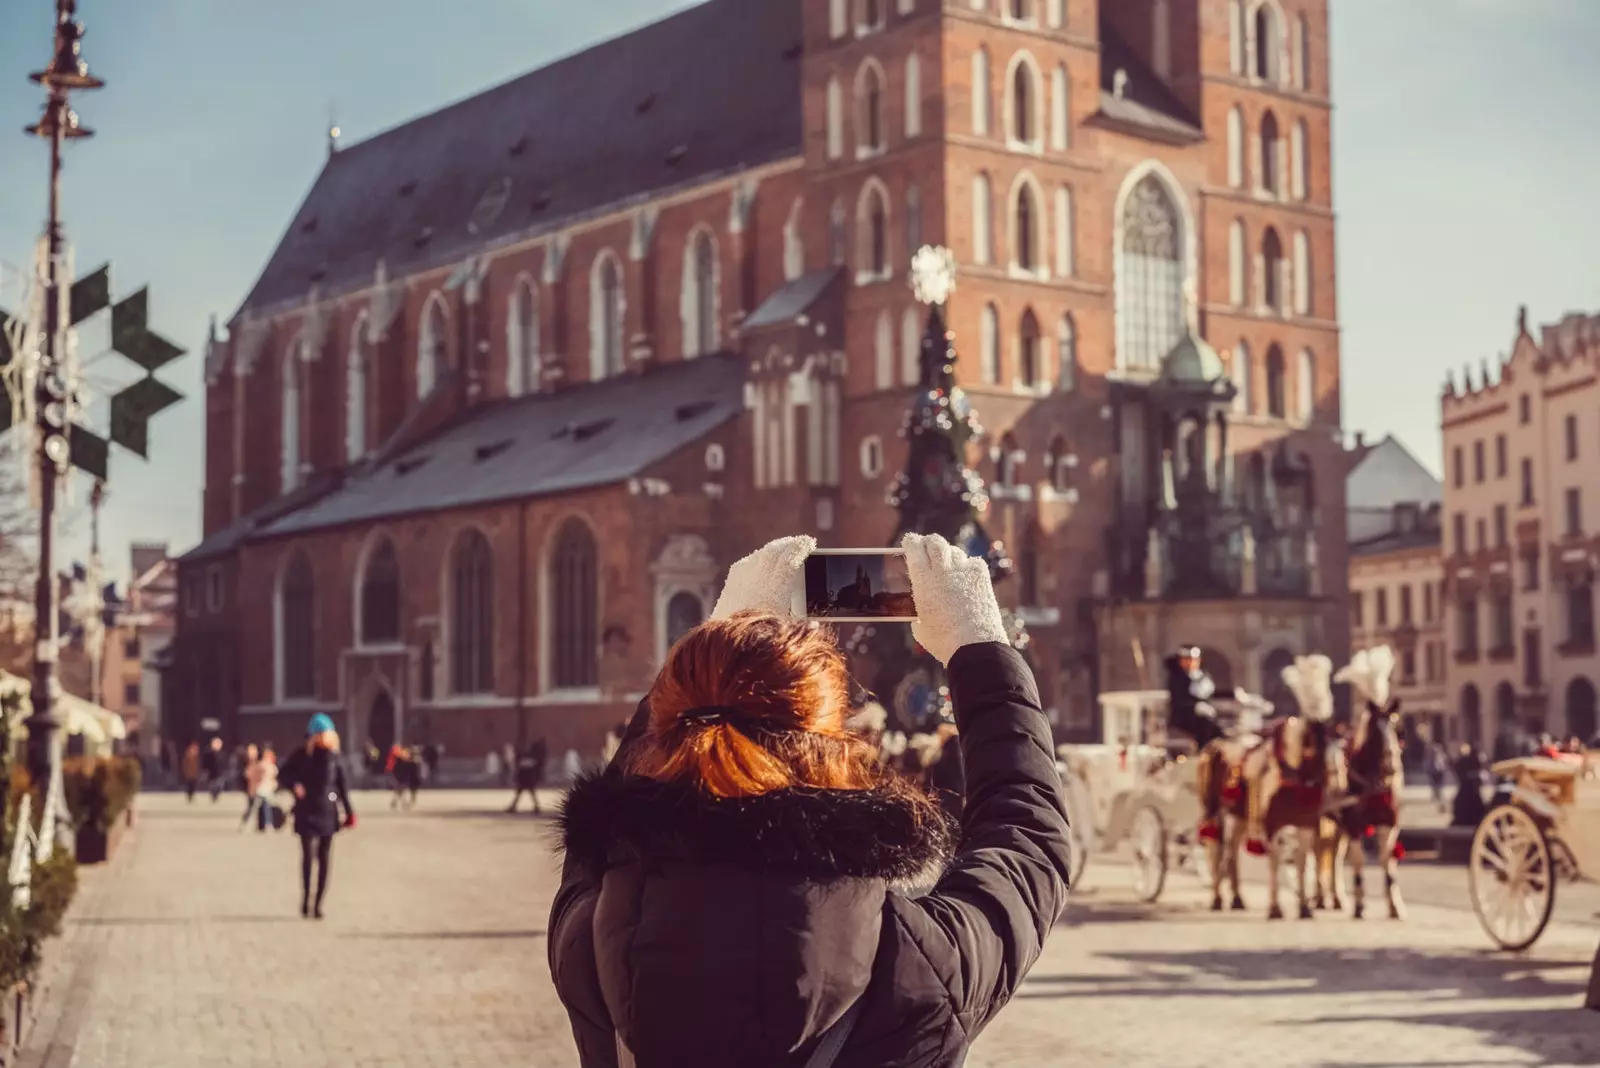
x=718, y=83
x=589, y=435
x=791, y=299
x=1394, y=541
x=221, y=542
x=1146, y=106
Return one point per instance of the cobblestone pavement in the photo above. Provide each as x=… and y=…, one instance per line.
x=189, y=950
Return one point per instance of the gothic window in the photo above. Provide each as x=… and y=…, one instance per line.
x=380, y=595
x=883, y=350
x=1270, y=179
x=433, y=347
x=1276, y=393
x=913, y=95
x=1299, y=160
x=980, y=92
x=1066, y=254
x=1242, y=401
x=1005, y=470
x=1028, y=350
x=700, y=276
x=1265, y=59
x=1058, y=471
x=1025, y=227
x=982, y=216
x=472, y=615
x=1150, y=276
x=522, y=340
x=1060, y=110
x=835, y=119
x=1024, y=102
x=913, y=222
x=1272, y=270
x=869, y=109
x=794, y=249
x=1302, y=273
x=289, y=404
x=836, y=243
x=605, y=318
x=684, y=613
x=1236, y=254
x=573, y=582
x=1067, y=354
x=1236, y=36
x=1021, y=10
x=989, y=345
x=1302, y=52
x=297, y=630
x=1236, y=147
x=1306, y=386
x=872, y=12
x=357, y=364
x=872, y=229
x=911, y=347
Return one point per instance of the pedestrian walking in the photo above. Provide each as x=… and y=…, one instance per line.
x=252, y=757
x=406, y=771
x=530, y=773
x=741, y=812
x=315, y=774
x=190, y=769
x=431, y=754
x=1437, y=764
x=262, y=783
x=216, y=765
x=507, y=765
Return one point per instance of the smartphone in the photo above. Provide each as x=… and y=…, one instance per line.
x=857, y=586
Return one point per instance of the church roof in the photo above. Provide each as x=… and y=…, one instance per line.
x=1145, y=105
x=709, y=91
x=590, y=435
x=792, y=299
x=1192, y=361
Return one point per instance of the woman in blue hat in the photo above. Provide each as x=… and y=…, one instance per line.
x=322, y=805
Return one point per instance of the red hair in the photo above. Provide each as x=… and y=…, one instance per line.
x=786, y=690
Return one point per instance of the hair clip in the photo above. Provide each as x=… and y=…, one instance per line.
x=708, y=714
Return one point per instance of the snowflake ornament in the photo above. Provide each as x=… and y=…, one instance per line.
x=933, y=274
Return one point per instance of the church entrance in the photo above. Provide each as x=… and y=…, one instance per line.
x=383, y=727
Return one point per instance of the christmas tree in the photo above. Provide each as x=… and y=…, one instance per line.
x=937, y=493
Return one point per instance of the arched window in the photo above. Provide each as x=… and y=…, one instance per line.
x=1299, y=160
x=1270, y=178
x=1243, y=402
x=872, y=230
x=989, y=345
x=913, y=95
x=380, y=595
x=1060, y=110
x=1022, y=105
x=605, y=318
x=701, y=329
x=883, y=350
x=573, y=582
x=836, y=241
x=835, y=119
x=433, y=346
x=684, y=613
x=1236, y=255
x=1059, y=467
x=289, y=417
x=980, y=92
x=1236, y=148
x=872, y=12
x=357, y=363
x=1150, y=275
x=1161, y=38
x=913, y=222
x=1066, y=254
x=794, y=248
x=297, y=630
x=1265, y=59
x=911, y=347
x=1025, y=228
x=1020, y=10
x=1028, y=351
x=982, y=216
x=1302, y=52
x=1067, y=354
x=1305, y=379
x=869, y=109
x=1276, y=393
x=1272, y=270
x=1302, y=273
x=523, y=370
x=1006, y=464
x=472, y=615
x=1236, y=36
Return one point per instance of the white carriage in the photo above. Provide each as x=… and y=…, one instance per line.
x=1547, y=832
x=1140, y=787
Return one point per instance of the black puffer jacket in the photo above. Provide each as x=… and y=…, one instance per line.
x=731, y=934
x=321, y=773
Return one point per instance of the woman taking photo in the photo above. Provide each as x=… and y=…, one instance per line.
x=745, y=885
x=315, y=774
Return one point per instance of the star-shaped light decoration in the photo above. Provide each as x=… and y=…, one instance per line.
x=933, y=274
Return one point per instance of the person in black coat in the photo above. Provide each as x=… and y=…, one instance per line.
x=316, y=776
x=530, y=773
x=744, y=884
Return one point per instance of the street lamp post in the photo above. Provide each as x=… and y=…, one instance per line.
x=65, y=72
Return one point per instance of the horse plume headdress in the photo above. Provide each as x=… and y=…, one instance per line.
x=1309, y=679
x=1368, y=675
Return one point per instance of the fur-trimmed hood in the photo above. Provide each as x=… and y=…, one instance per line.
x=893, y=832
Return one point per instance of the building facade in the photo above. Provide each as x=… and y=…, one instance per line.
x=525, y=375
x=1521, y=500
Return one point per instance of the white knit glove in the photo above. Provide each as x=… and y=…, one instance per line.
x=765, y=581
x=954, y=596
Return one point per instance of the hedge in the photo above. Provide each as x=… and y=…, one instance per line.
x=98, y=790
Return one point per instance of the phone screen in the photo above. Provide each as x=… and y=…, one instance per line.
x=858, y=585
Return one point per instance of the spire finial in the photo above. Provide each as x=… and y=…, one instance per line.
x=1522, y=319
x=333, y=129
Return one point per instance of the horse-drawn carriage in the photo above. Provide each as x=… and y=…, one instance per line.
x=1547, y=831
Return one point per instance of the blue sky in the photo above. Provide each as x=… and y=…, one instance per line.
x=1464, y=165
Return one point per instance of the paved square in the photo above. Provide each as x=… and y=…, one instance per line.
x=189, y=951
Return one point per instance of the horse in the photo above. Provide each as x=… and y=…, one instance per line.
x=1329, y=846
x=1289, y=777
x=1370, y=808
x=1219, y=770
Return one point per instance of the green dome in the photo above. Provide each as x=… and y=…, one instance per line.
x=1192, y=362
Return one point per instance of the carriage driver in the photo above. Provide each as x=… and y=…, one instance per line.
x=1189, y=689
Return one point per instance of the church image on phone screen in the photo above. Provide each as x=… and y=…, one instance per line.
x=870, y=585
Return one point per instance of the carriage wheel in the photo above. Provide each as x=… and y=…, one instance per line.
x=1149, y=837
x=1511, y=877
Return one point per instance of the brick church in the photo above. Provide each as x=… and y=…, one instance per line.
x=526, y=374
